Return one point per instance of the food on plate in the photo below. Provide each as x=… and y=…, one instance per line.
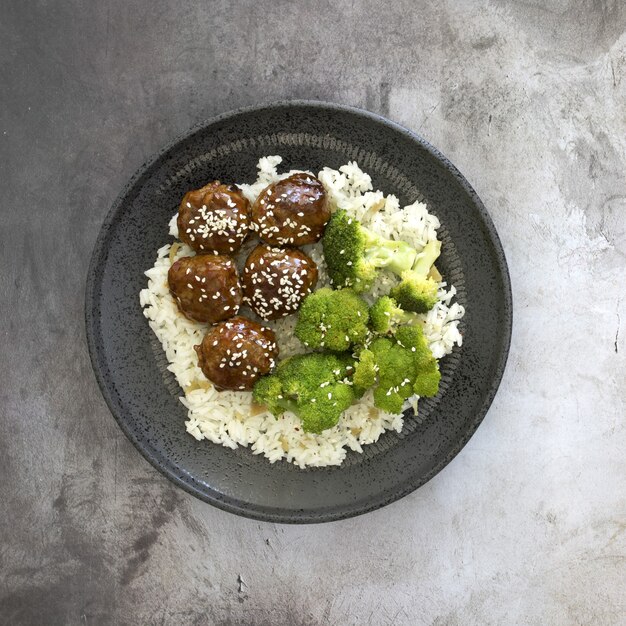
x=417, y=291
x=386, y=316
x=399, y=367
x=362, y=314
x=355, y=255
x=315, y=386
x=235, y=353
x=332, y=319
x=276, y=280
x=292, y=211
x=214, y=219
x=206, y=288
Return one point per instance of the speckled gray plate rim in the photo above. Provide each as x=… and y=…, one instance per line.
x=246, y=484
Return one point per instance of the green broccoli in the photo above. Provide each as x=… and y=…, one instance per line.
x=334, y=320
x=426, y=381
x=386, y=316
x=316, y=387
x=395, y=374
x=398, y=367
x=365, y=371
x=354, y=255
x=268, y=391
x=426, y=384
x=417, y=291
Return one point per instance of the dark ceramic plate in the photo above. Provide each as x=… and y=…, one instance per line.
x=130, y=367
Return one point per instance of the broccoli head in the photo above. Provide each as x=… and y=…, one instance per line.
x=332, y=319
x=395, y=374
x=268, y=390
x=354, y=254
x=417, y=291
x=426, y=381
x=316, y=387
x=398, y=367
x=386, y=316
x=426, y=385
x=365, y=371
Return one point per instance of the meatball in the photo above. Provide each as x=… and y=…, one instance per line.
x=276, y=280
x=205, y=287
x=235, y=353
x=214, y=219
x=292, y=211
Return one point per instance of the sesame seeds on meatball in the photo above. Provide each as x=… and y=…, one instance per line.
x=276, y=280
x=206, y=288
x=235, y=353
x=292, y=211
x=214, y=219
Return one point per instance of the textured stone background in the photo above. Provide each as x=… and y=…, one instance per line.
x=528, y=524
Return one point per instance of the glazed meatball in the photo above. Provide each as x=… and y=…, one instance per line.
x=276, y=280
x=235, y=353
x=206, y=288
x=214, y=219
x=292, y=211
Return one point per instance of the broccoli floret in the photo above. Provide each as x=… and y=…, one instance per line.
x=398, y=367
x=412, y=338
x=427, y=383
x=325, y=406
x=427, y=375
x=354, y=254
x=417, y=291
x=268, y=391
x=314, y=386
x=365, y=371
x=386, y=316
x=334, y=320
x=395, y=375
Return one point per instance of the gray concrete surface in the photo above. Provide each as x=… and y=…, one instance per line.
x=528, y=524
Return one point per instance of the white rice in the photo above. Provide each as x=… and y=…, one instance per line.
x=228, y=417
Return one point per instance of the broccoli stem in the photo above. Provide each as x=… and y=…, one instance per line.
x=396, y=256
x=287, y=404
x=427, y=257
x=408, y=318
